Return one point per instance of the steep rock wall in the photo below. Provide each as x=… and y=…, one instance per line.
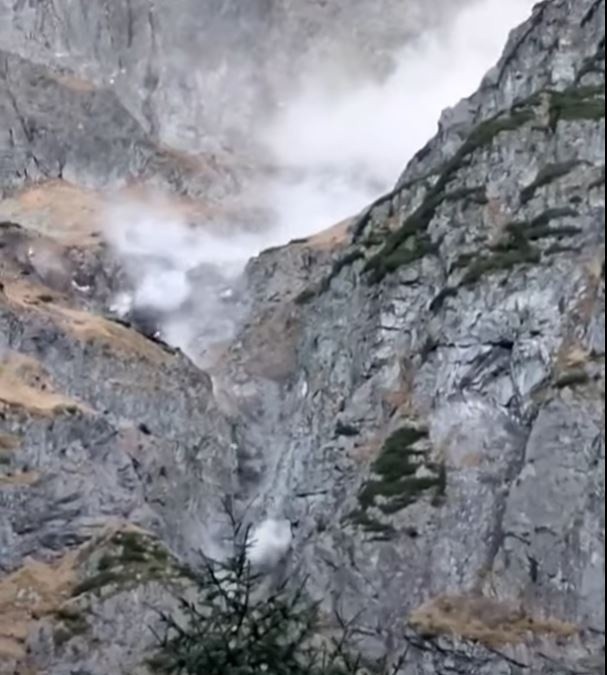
x=422, y=390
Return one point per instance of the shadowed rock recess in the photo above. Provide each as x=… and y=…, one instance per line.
x=422, y=389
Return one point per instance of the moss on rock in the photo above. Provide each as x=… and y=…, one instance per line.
x=371, y=525
x=388, y=258
x=577, y=103
x=411, y=242
x=545, y=176
x=500, y=261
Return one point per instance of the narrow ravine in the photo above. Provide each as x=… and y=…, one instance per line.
x=333, y=149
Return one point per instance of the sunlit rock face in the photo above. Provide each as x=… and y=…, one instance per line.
x=420, y=387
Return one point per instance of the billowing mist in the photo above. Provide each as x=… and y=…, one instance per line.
x=336, y=149
x=346, y=150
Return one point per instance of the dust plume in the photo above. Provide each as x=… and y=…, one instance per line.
x=335, y=149
x=340, y=151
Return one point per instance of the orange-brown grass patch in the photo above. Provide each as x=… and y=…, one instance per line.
x=25, y=384
x=483, y=620
x=85, y=326
x=331, y=238
x=73, y=82
x=8, y=443
x=60, y=210
x=33, y=590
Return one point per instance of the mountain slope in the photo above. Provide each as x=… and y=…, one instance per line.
x=463, y=329
x=421, y=389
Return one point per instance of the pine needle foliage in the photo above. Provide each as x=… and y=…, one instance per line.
x=231, y=628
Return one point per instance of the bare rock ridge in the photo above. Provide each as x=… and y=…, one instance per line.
x=421, y=389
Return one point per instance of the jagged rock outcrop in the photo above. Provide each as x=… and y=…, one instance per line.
x=421, y=389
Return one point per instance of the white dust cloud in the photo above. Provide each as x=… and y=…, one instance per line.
x=182, y=277
x=268, y=543
x=348, y=148
x=336, y=150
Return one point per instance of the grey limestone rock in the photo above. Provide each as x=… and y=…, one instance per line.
x=424, y=396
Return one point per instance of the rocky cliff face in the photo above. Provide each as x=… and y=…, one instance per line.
x=421, y=388
x=195, y=75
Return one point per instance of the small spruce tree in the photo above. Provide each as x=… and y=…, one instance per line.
x=230, y=628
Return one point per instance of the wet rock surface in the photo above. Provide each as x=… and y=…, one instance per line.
x=422, y=391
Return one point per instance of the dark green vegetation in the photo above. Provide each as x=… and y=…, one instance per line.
x=129, y=558
x=477, y=195
x=517, y=247
x=72, y=623
x=546, y=175
x=577, y=103
x=594, y=63
x=411, y=241
x=499, y=261
x=412, y=249
x=231, y=628
x=540, y=226
x=572, y=378
x=307, y=294
x=397, y=484
x=380, y=531
x=389, y=258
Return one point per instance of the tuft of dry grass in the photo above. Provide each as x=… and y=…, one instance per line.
x=89, y=327
x=23, y=478
x=31, y=591
x=573, y=366
x=483, y=620
x=8, y=443
x=64, y=212
x=39, y=589
x=73, y=82
x=572, y=356
x=336, y=236
x=85, y=326
x=366, y=452
x=72, y=215
x=399, y=400
x=25, y=384
x=46, y=590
